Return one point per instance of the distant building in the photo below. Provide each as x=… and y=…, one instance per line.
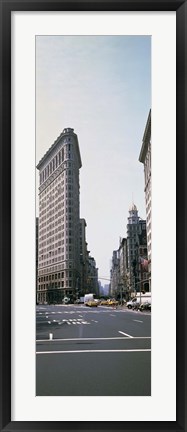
x=83, y=258
x=114, y=274
x=106, y=290
x=122, y=254
x=136, y=239
x=59, y=228
x=36, y=256
x=92, y=276
x=145, y=158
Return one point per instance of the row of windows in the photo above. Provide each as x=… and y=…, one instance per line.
x=43, y=296
x=51, y=202
x=56, y=161
x=50, y=236
x=55, y=238
x=55, y=260
x=54, y=210
x=54, y=164
x=45, y=225
x=53, y=245
x=56, y=182
x=54, y=253
x=61, y=228
x=55, y=276
x=63, y=265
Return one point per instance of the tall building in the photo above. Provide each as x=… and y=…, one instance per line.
x=114, y=274
x=145, y=158
x=59, y=220
x=83, y=257
x=122, y=253
x=92, y=275
x=36, y=256
x=136, y=234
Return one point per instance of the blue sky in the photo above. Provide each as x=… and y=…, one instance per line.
x=101, y=87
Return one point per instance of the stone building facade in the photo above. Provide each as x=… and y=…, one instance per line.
x=59, y=220
x=145, y=158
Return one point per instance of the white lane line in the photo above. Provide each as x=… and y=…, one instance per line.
x=125, y=334
x=103, y=338
x=91, y=351
x=138, y=321
x=112, y=315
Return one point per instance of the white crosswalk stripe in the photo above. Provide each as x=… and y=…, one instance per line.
x=70, y=321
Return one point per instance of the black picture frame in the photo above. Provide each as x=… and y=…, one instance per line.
x=6, y=7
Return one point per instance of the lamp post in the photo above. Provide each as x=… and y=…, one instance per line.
x=120, y=287
x=77, y=288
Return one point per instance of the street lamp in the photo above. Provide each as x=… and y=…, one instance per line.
x=77, y=288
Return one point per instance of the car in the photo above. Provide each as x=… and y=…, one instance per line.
x=113, y=302
x=104, y=302
x=145, y=306
x=131, y=303
x=91, y=303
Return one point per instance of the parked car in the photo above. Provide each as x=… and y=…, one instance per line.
x=113, y=302
x=104, y=302
x=91, y=303
x=132, y=303
x=145, y=306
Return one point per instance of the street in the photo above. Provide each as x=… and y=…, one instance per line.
x=101, y=351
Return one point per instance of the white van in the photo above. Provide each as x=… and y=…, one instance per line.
x=139, y=299
x=88, y=297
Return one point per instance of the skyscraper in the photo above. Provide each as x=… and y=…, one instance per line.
x=136, y=238
x=145, y=158
x=59, y=220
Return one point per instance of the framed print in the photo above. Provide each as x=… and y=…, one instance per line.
x=116, y=72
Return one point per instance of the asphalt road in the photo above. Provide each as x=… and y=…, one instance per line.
x=101, y=351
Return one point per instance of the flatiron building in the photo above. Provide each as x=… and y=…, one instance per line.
x=59, y=220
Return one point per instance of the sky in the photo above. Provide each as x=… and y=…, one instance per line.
x=101, y=87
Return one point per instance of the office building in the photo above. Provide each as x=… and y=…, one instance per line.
x=59, y=220
x=145, y=158
x=136, y=238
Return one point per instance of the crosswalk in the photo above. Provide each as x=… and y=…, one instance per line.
x=78, y=321
x=69, y=321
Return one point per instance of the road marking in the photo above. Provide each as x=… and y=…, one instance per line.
x=138, y=321
x=92, y=351
x=102, y=338
x=125, y=334
x=112, y=315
